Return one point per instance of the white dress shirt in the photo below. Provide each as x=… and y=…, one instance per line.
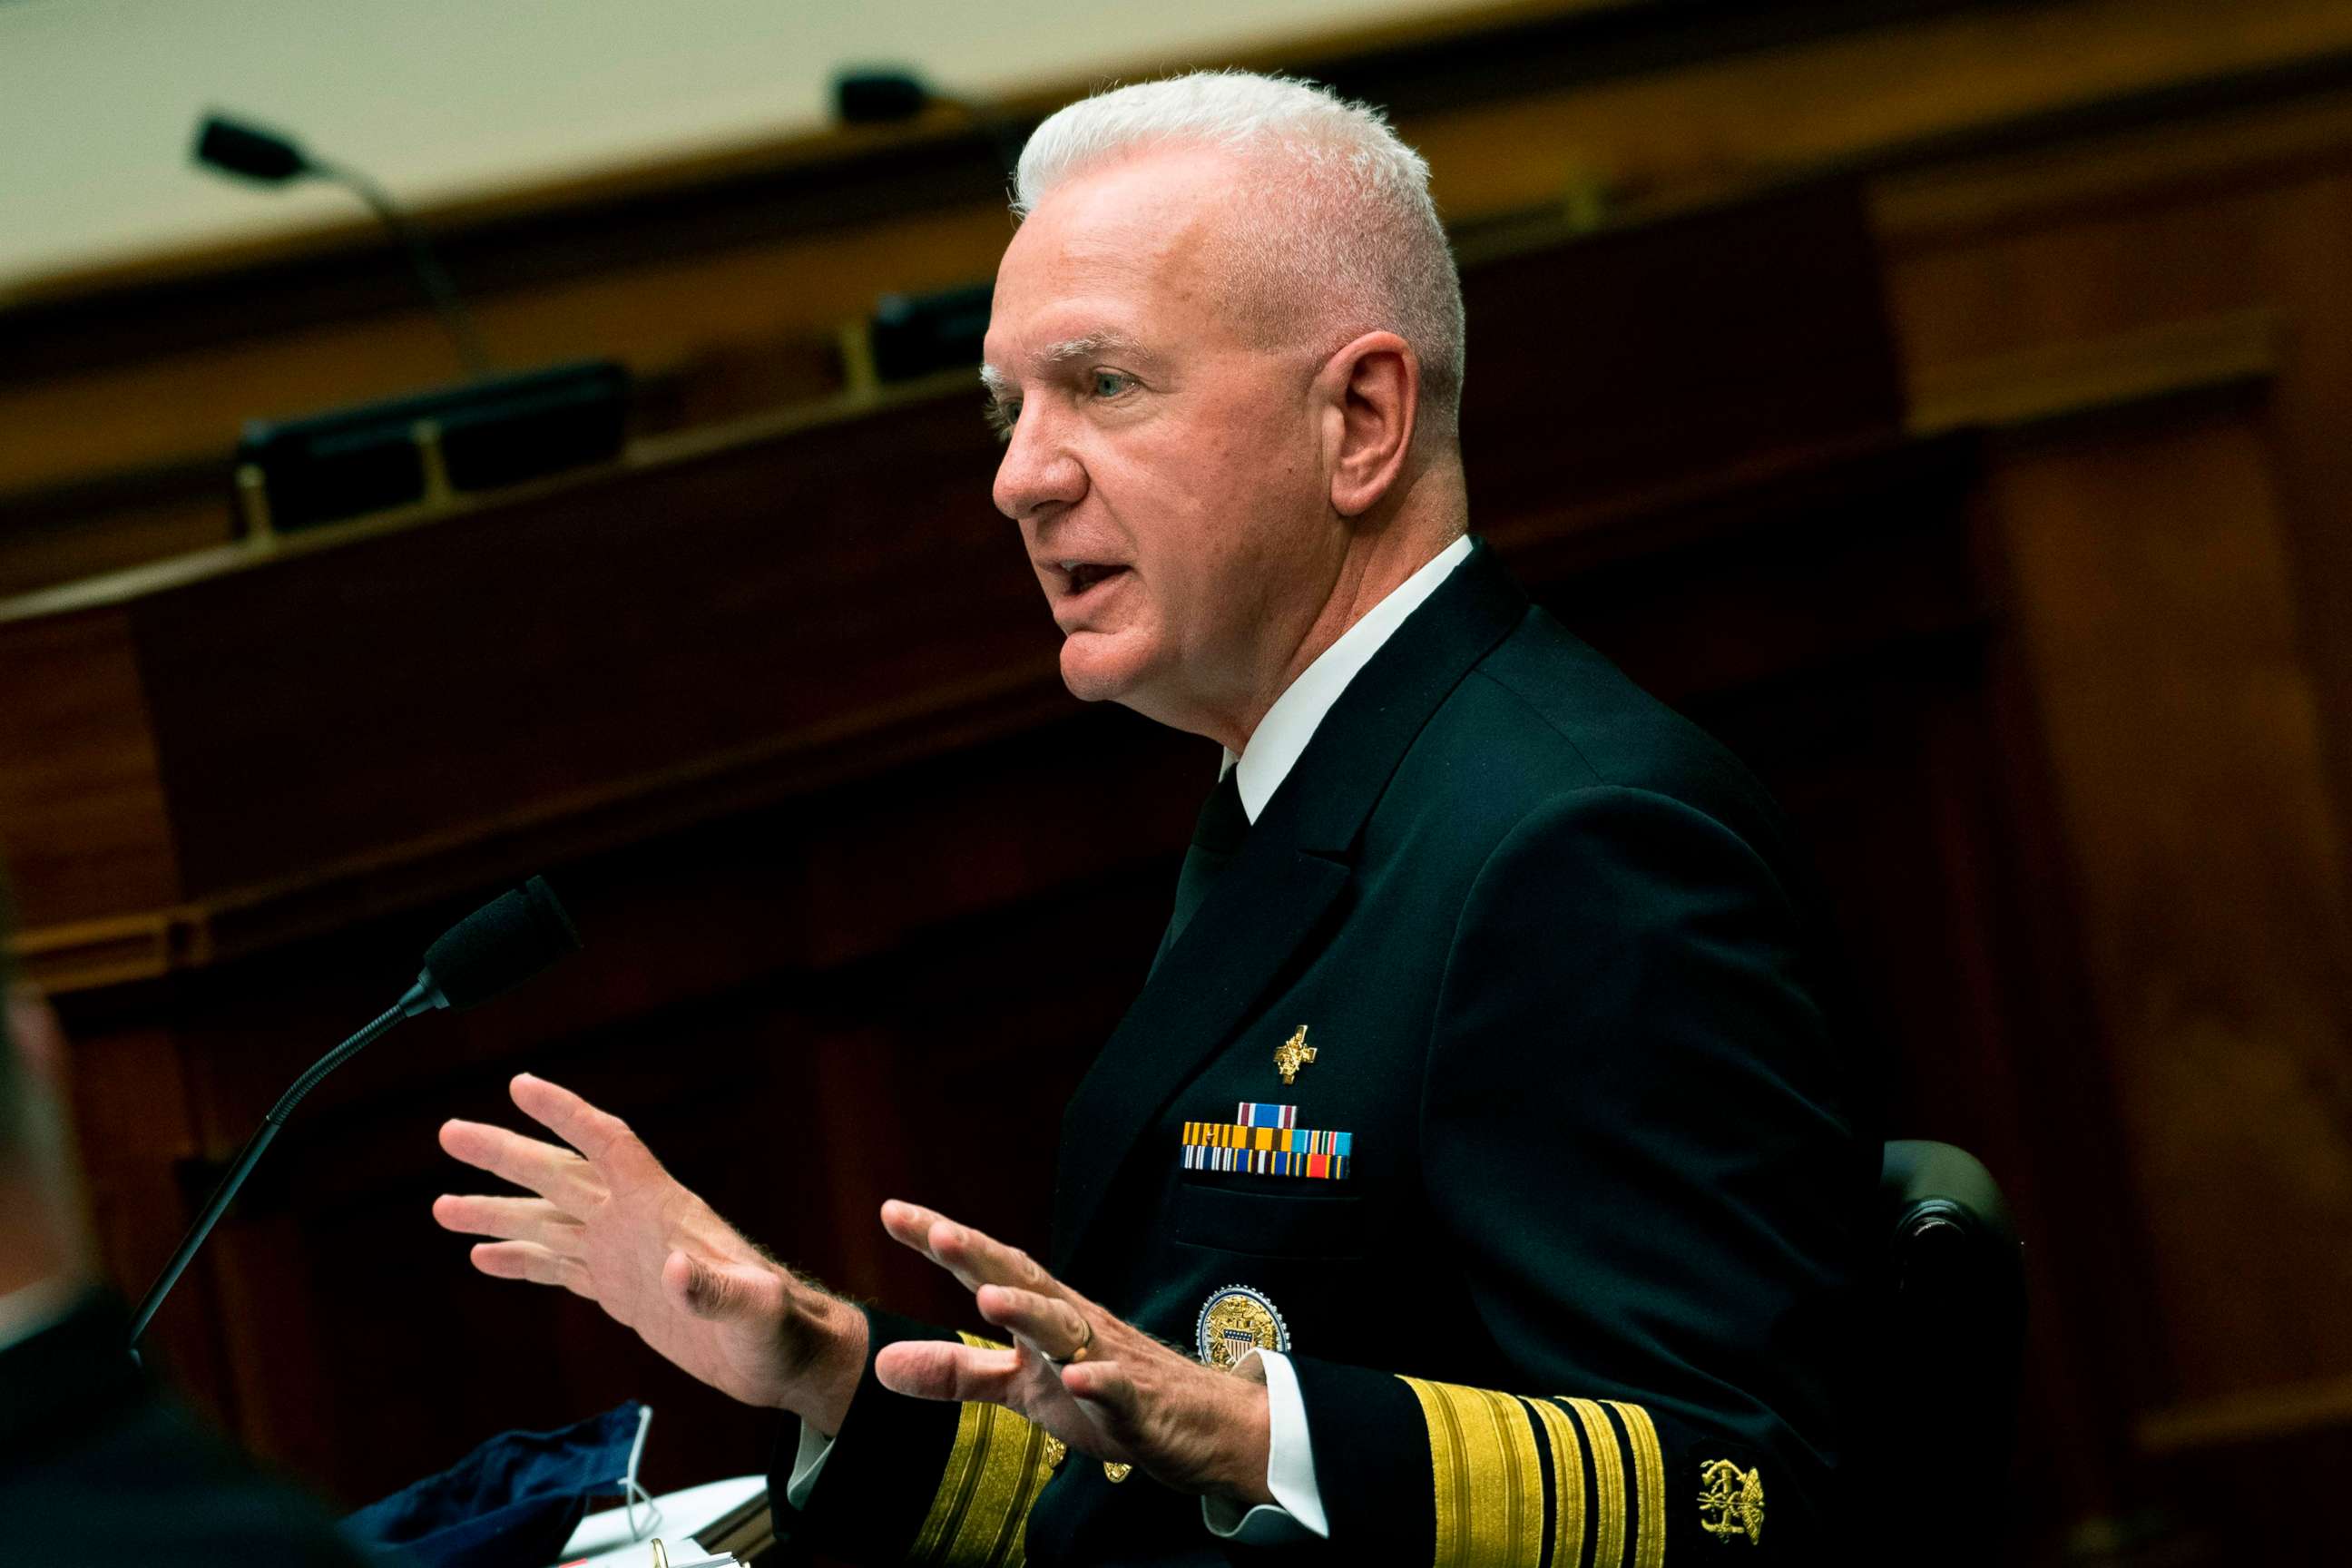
x=1275, y=748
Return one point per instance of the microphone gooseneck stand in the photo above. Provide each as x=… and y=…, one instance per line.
x=488, y=953
x=419, y=998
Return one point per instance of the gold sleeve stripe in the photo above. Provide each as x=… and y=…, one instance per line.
x=1514, y=1435
x=980, y=1515
x=1649, y=1485
x=1448, y=1472
x=1487, y=1477
x=975, y=1435
x=1567, y=1482
x=1608, y=1484
x=1493, y=1508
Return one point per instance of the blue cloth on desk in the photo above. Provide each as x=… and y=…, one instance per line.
x=510, y=1503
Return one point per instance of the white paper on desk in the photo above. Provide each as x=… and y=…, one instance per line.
x=603, y=1539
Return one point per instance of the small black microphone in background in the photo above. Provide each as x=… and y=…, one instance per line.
x=259, y=155
x=490, y=952
x=913, y=335
x=265, y=157
x=894, y=95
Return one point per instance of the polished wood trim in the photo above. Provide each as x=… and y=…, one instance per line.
x=2112, y=169
x=2052, y=382
x=88, y=954
x=120, y=587
x=2257, y=1416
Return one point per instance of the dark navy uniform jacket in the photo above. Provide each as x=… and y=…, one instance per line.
x=1585, y=1292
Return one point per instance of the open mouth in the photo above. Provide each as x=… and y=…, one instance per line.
x=1083, y=575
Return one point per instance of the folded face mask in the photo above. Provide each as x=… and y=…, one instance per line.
x=510, y=1503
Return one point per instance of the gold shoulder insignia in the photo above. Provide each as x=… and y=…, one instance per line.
x=1733, y=1503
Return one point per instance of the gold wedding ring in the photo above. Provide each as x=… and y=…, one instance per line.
x=1077, y=1355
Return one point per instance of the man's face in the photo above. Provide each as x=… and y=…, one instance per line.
x=1166, y=474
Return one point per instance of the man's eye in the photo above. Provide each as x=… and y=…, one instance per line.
x=1002, y=418
x=1110, y=382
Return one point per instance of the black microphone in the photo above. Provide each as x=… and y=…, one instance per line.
x=487, y=954
x=235, y=148
x=494, y=950
x=250, y=153
x=888, y=95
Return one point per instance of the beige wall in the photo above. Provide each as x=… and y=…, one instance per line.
x=446, y=96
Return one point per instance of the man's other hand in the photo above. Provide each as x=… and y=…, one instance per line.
x=608, y=1223
x=1129, y=1399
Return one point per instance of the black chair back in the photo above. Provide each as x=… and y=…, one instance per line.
x=1951, y=1313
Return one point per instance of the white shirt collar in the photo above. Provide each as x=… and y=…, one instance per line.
x=1282, y=735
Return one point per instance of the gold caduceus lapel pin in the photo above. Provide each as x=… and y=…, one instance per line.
x=1293, y=1054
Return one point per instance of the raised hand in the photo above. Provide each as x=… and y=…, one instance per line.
x=1100, y=1385
x=608, y=1222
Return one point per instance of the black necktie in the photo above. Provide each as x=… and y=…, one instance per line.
x=1216, y=838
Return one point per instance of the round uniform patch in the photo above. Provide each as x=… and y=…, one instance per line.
x=1236, y=1320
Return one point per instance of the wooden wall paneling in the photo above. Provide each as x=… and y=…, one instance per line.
x=2148, y=233
x=136, y=1137
x=2094, y=1335
x=81, y=794
x=117, y=521
x=2228, y=1044
x=1588, y=391
x=471, y=669
x=1849, y=101
x=2184, y=731
x=2093, y=1338
x=2297, y=227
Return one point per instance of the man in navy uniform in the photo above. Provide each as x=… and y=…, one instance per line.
x=1475, y=1179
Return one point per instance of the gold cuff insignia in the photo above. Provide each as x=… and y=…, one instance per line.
x=1732, y=1505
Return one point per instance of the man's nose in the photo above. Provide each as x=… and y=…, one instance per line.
x=1038, y=470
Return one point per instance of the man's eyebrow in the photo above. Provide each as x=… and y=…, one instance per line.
x=1087, y=345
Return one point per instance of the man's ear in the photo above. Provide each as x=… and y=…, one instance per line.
x=1373, y=385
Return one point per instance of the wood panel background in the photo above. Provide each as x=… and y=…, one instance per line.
x=1950, y=406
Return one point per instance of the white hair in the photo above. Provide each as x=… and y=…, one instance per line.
x=1334, y=235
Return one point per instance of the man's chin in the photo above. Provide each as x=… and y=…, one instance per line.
x=1097, y=667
